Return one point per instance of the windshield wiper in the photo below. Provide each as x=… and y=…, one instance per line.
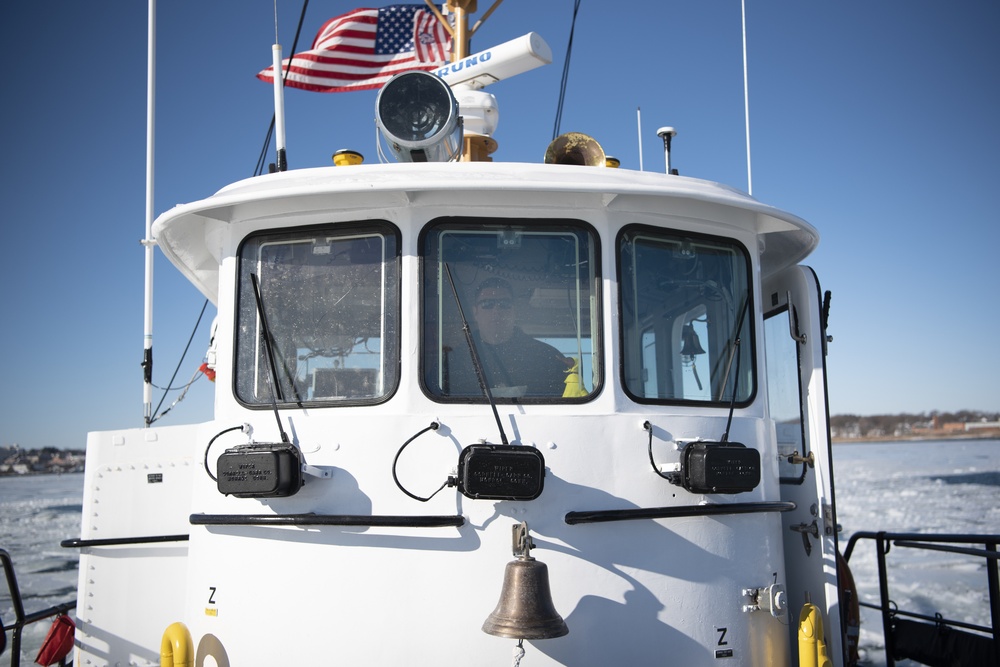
x=272, y=376
x=735, y=354
x=476, y=363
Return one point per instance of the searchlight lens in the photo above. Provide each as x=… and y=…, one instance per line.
x=418, y=116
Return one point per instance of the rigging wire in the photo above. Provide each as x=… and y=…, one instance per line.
x=184, y=390
x=170, y=384
x=262, y=158
x=565, y=74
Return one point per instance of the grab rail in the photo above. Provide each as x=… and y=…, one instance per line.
x=933, y=542
x=79, y=543
x=20, y=618
x=710, y=509
x=309, y=519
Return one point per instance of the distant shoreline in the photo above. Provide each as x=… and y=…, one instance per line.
x=923, y=437
x=39, y=473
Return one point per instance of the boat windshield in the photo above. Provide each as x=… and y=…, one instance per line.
x=529, y=292
x=684, y=303
x=331, y=303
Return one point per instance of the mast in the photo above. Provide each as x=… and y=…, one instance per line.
x=462, y=37
x=475, y=148
x=148, y=242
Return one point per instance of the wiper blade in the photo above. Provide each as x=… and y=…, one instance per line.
x=735, y=354
x=476, y=363
x=272, y=377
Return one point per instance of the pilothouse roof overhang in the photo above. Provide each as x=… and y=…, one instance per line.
x=191, y=235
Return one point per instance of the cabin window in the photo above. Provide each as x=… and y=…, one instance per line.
x=330, y=299
x=781, y=354
x=684, y=304
x=529, y=292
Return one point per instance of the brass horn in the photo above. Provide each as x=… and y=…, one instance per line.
x=525, y=609
x=575, y=148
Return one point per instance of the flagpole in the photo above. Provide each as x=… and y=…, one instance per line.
x=148, y=242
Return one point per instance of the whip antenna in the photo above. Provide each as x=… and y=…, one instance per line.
x=638, y=123
x=746, y=96
x=148, y=242
x=279, y=96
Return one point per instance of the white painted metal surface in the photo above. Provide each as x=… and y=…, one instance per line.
x=638, y=591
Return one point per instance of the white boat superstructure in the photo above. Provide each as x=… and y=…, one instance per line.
x=480, y=413
x=661, y=514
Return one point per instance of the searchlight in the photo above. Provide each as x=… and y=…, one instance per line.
x=418, y=115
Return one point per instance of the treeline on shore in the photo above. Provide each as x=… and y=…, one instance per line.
x=17, y=461
x=964, y=423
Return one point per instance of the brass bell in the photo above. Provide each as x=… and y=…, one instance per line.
x=690, y=345
x=525, y=609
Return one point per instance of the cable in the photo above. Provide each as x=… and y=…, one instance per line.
x=194, y=378
x=179, y=363
x=649, y=427
x=448, y=482
x=241, y=427
x=565, y=74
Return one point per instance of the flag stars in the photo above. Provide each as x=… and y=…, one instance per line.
x=395, y=29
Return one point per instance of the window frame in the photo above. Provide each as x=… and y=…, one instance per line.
x=539, y=225
x=670, y=234
x=781, y=331
x=390, y=315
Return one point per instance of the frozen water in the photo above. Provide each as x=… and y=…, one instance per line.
x=38, y=512
x=918, y=487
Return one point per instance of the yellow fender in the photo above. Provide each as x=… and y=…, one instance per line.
x=176, y=647
x=812, y=644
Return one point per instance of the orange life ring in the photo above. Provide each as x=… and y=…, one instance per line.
x=851, y=614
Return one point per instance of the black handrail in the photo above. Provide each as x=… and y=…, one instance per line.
x=79, y=543
x=710, y=509
x=390, y=521
x=946, y=542
x=20, y=618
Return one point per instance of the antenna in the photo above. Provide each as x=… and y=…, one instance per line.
x=638, y=122
x=746, y=96
x=667, y=134
x=148, y=242
x=279, y=95
x=279, y=106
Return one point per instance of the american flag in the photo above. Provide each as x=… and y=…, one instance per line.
x=364, y=48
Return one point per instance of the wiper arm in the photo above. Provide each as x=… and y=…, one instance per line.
x=272, y=376
x=476, y=363
x=738, y=356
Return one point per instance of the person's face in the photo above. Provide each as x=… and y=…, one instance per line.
x=494, y=314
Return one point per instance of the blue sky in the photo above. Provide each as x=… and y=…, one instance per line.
x=874, y=121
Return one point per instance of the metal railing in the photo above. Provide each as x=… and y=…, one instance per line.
x=987, y=642
x=20, y=618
